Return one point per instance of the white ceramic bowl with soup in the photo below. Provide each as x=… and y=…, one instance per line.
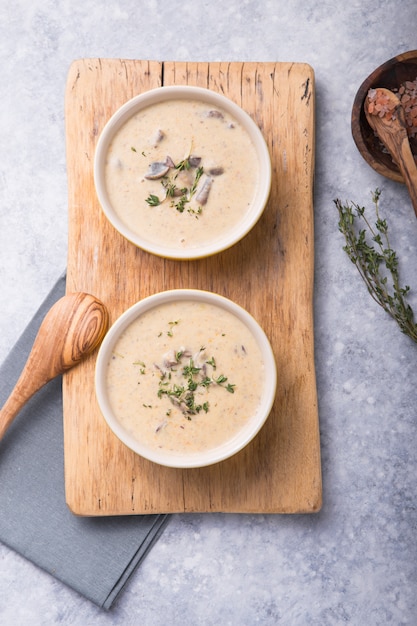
x=182, y=172
x=185, y=378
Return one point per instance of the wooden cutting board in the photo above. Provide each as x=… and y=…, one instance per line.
x=270, y=273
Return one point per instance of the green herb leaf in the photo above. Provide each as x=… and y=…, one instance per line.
x=153, y=200
x=184, y=396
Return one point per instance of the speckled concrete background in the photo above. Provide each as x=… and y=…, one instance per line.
x=355, y=561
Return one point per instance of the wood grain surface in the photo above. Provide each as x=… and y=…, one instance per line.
x=270, y=273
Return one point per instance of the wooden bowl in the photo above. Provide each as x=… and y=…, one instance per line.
x=389, y=75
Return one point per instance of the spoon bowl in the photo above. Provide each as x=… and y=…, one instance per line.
x=73, y=327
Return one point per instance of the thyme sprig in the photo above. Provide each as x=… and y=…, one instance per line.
x=184, y=395
x=183, y=194
x=370, y=250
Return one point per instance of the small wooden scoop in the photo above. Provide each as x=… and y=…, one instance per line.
x=72, y=328
x=385, y=115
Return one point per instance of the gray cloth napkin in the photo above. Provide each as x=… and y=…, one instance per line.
x=94, y=556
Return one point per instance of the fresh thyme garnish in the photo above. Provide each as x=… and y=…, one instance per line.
x=170, y=332
x=153, y=200
x=183, y=165
x=180, y=196
x=184, y=395
x=212, y=362
x=142, y=366
x=377, y=264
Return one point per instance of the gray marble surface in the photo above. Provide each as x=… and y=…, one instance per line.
x=355, y=561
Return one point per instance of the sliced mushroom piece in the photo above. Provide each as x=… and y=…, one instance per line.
x=204, y=190
x=215, y=113
x=199, y=359
x=194, y=161
x=169, y=359
x=157, y=170
x=216, y=171
x=159, y=136
x=169, y=162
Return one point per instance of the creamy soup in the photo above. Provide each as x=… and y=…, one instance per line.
x=185, y=377
x=181, y=174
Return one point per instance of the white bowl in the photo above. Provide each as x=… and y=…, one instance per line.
x=223, y=449
x=219, y=241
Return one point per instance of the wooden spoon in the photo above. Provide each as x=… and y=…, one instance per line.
x=392, y=130
x=73, y=327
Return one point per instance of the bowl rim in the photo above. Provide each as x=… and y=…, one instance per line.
x=159, y=94
x=223, y=451
x=357, y=114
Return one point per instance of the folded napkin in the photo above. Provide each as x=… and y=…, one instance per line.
x=94, y=556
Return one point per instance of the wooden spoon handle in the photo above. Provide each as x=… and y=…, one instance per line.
x=399, y=147
x=408, y=169
x=72, y=328
x=392, y=131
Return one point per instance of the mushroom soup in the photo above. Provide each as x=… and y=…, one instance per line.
x=181, y=173
x=185, y=377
